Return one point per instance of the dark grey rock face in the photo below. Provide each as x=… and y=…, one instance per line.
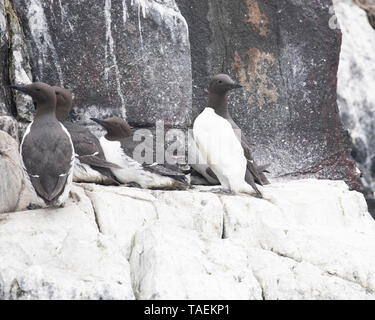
x=286, y=57
x=4, y=110
x=129, y=58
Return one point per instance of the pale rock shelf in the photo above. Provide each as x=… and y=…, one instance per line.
x=308, y=239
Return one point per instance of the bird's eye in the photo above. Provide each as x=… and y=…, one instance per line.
x=220, y=81
x=37, y=89
x=57, y=93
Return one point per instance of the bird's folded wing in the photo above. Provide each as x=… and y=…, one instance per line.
x=93, y=160
x=40, y=190
x=165, y=171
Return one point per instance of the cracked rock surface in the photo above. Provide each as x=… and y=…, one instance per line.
x=308, y=239
x=356, y=97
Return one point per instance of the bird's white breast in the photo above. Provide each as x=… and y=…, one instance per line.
x=220, y=147
x=132, y=170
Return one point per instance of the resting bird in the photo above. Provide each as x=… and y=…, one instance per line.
x=47, y=151
x=90, y=165
x=225, y=150
x=119, y=147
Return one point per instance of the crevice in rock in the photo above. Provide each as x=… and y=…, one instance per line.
x=334, y=274
x=95, y=212
x=156, y=209
x=286, y=256
x=259, y=283
x=23, y=190
x=97, y=220
x=223, y=233
x=341, y=206
x=283, y=255
x=131, y=268
x=113, y=191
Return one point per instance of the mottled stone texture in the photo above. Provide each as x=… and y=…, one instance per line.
x=11, y=176
x=310, y=240
x=355, y=89
x=129, y=58
x=4, y=110
x=286, y=57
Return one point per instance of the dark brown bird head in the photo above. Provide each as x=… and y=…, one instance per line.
x=116, y=127
x=63, y=103
x=221, y=84
x=41, y=93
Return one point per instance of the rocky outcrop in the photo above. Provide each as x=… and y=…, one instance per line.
x=129, y=58
x=356, y=96
x=307, y=239
x=4, y=38
x=19, y=66
x=286, y=56
x=10, y=126
x=59, y=254
x=13, y=193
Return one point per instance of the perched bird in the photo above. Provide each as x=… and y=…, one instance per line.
x=47, y=151
x=90, y=164
x=201, y=173
x=118, y=146
x=219, y=140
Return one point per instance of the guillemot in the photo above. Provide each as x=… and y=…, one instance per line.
x=118, y=145
x=219, y=140
x=90, y=165
x=47, y=151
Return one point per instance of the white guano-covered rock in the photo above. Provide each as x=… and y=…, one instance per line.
x=307, y=239
x=60, y=254
x=11, y=176
x=355, y=83
x=10, y=126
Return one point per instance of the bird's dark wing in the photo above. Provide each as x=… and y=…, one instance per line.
x=257, y=172
x=145, y=152
x=85, y=143
x=95, y=161
x=89, y=151
x=165, y=171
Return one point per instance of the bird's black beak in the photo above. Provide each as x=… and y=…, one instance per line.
x=236, y=85
x=18, y=87
x=101, y=122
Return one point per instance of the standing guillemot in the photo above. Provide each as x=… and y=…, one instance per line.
x=227, y=153
x=90, y=164
x=201, y=173
x=117, y=145
x=47, y=152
